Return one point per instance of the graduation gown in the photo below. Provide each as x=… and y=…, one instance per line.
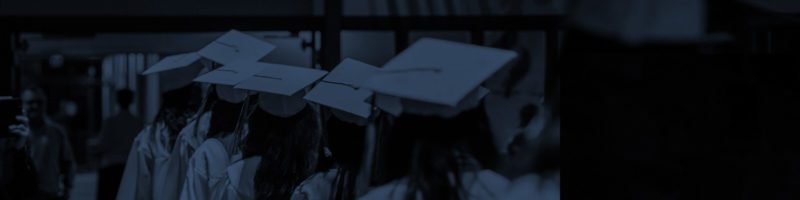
x=237, y=182
x=207, y=168
x=148, y=155
x=188, y=140
x=480, y=185
x=532, y=186
x=316, y=187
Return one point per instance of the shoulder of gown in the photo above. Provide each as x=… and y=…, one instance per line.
x=392, y=190
x=237, y=182
x=205, y=168
x=315, y=187
x=533, y=186
x=485, y=184
x=136, y=179
x=189, y=139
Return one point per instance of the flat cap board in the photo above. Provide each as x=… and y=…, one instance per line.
x=390, y=104
x=231, y=74
x=281, y=79
x=341, y=88
x=438, y=71
x=236, y=45
x=173, y=62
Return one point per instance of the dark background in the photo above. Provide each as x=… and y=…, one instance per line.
x=701, y=121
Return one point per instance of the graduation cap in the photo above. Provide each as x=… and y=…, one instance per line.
x=173, y=62
x=231, y=74
x=341, y=88
x=228, y=76
x=236, y=46
x=176, y=71
x=280, y=79
x=281, y=87
x=440, y=72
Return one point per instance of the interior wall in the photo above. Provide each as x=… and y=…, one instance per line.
x=156, y=7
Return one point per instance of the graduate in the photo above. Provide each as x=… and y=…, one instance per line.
x=165, y=179
x=282, y=147
x=231, y=46
x=189, y=138
x=152, y=146
x=207, y=165
x=432, y=144
x=350, y=110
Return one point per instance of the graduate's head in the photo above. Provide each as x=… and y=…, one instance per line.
x=175, y=74
x=293, y=137
x=178, y=106
x=289, y=155
x=443, y=122
x=426, y=148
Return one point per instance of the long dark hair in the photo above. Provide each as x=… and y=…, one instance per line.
x=224, y=116
x=285, y=150
x=427, y=148
x=346, y=142
x=177, y=106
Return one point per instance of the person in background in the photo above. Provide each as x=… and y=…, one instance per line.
x=116, y=138
x=49, y=148
x=17, y=173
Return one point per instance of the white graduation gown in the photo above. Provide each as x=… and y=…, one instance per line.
x=149, y=153
x=207, y=168
x=532, y=186
x=316, y=187
x=189, y=138
x=237, y=182
x=481, y=185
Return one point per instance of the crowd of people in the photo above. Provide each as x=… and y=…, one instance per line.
x=232, y=127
